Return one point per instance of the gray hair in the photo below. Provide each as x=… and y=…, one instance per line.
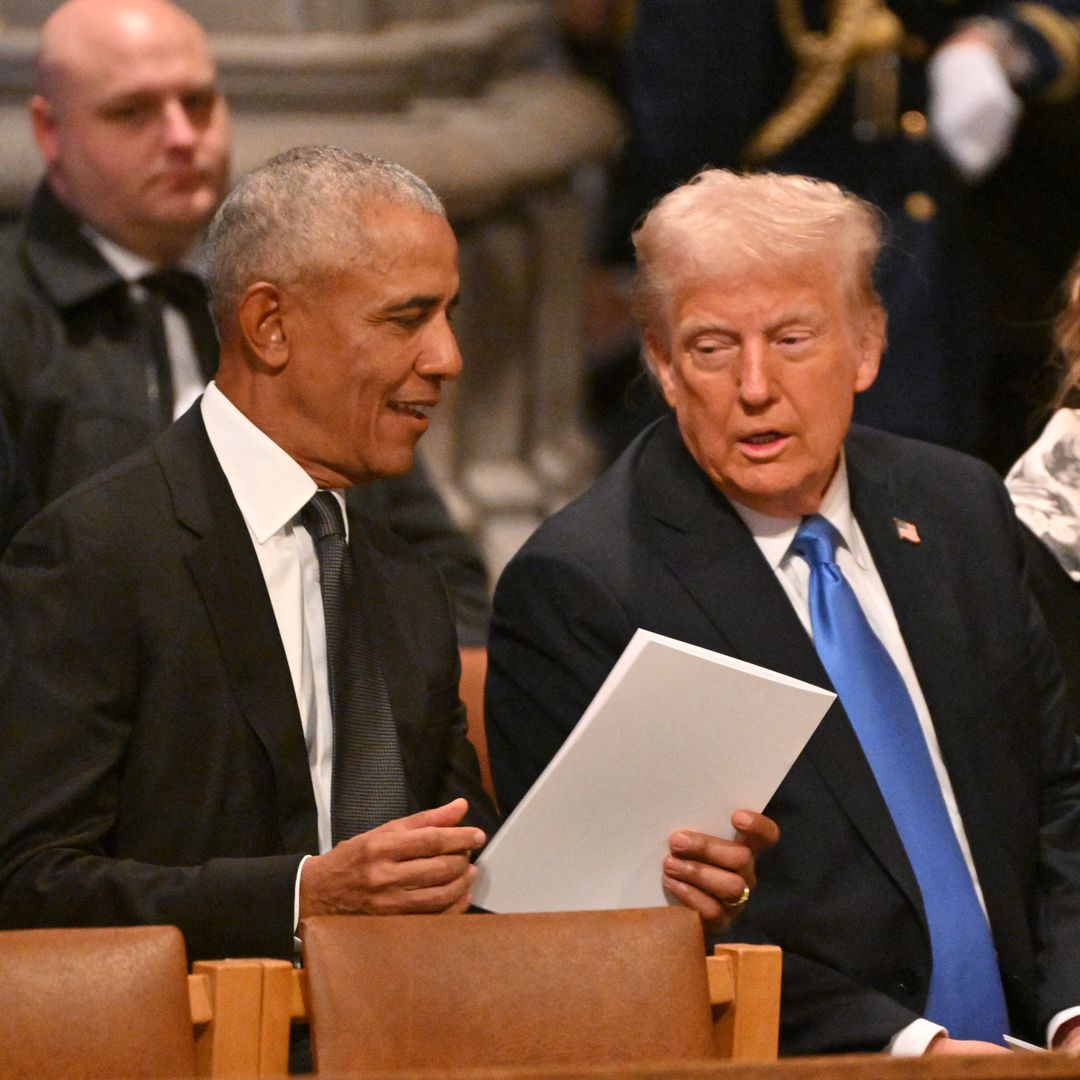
x=722, y=223
x=284, y=221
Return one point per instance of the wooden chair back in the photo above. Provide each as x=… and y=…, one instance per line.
x=79, y=1004
x=88, y=1003
x=543, y=990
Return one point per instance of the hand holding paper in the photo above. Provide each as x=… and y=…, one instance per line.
x=710, y=875
x=675, y=741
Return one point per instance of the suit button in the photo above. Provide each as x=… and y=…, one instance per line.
x=908, y=982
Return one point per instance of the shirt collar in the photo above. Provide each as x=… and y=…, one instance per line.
x=269, y=486
x=775, y=534
x=126, y=263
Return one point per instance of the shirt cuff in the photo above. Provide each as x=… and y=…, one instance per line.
x=1057, y=1020
x=913, y=1040
x=296, y=905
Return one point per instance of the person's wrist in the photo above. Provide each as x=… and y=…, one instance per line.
x=1067, y=1036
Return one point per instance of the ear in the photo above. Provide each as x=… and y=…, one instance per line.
x=262, y=324
x=871, y=346
x=43, y=122
x=658, y=357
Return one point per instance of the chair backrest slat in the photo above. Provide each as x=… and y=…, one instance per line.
x=507, y=990
x=89, y=1003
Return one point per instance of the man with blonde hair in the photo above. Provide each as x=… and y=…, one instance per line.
x=926, y=885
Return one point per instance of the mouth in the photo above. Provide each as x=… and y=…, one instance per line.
x=418, y=410
x=763, y=444
x=184, y=178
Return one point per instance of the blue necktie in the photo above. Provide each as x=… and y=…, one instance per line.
x=966, y=995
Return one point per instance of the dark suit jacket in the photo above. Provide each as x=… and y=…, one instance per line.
x=16, y=500
x=653, y=544
x=1059, y=601
x=76, y=361
x=154, y=768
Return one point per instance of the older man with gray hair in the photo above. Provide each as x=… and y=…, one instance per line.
x=926, y=884
x=233, y=705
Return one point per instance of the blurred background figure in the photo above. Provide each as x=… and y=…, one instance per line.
x=463, y=92
x=108, y=336
x=940, y=113
x=1045, y=487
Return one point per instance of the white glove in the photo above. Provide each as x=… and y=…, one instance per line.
x=973, y=110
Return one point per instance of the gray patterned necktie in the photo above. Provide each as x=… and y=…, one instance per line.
x=368, y=786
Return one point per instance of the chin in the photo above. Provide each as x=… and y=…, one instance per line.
x=384, y=468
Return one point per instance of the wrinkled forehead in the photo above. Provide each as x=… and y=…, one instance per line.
x=808, y=281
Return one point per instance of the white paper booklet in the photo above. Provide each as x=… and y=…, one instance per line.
x=677, y=737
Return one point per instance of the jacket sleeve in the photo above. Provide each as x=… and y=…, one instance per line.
x=71, y=683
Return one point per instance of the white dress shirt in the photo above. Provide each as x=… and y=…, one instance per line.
x=187, y=377
x=271, y=489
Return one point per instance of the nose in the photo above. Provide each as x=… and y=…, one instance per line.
x=178, y=130
x=752, y=376
x=440, y=357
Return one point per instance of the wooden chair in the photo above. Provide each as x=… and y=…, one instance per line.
x=544, y=990
x=79, y=1004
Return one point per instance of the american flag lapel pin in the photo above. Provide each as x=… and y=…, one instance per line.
x=906, y=530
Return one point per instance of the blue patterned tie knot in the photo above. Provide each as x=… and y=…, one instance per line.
x=816, y=541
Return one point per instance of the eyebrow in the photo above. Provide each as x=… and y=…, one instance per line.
x=803, y=313
x=423, y=302
x=140, y=97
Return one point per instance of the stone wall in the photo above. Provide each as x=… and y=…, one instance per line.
x=468, y=94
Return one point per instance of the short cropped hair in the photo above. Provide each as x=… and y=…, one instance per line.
x=723, y=223
x=284, y=221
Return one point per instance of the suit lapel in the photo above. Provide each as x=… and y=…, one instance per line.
x=230, y=584
x=707, y=547
x=932, y=627
x=929, y=621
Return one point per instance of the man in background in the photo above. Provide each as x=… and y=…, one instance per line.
x=108, y=334
x=108, y=337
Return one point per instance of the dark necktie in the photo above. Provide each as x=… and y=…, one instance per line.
x=186, y=292
x=966, y=994
x=368, y=785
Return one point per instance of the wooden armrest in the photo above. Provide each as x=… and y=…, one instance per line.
x=226, y=1009
x=202, y=1011
x=745, y=981
x=283, y=1001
